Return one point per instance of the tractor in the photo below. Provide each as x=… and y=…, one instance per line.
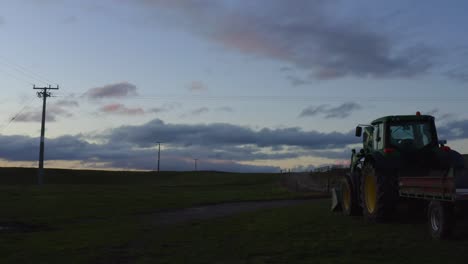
x=403, y=160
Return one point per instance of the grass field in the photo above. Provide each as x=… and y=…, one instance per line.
x=83, y=215
x=108, y=217
x=306, y=233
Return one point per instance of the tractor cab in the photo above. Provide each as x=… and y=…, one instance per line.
x=403, y=134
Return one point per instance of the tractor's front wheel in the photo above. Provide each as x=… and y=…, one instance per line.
x=441, y=219
x=379, y=193
x=349, y=199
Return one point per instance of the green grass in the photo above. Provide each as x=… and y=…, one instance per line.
x=105, y=217
x=111, y=194
x=86, y=216
x=300, y=234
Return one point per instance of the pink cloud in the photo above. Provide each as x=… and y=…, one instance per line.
x=121, y=109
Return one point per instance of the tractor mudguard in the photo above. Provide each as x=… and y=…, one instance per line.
x=459, y=172
x=456, y=160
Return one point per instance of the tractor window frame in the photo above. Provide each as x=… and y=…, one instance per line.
x=378, y=140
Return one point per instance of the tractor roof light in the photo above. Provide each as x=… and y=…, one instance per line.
x=389, y=150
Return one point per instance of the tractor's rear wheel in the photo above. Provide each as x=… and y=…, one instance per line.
x=379, y=193
x=441, y=219
x=349, y=201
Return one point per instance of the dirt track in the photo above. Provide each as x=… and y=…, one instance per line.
x=295, y=182
x=218, y=210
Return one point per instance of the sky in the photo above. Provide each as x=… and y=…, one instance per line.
x=245, y=86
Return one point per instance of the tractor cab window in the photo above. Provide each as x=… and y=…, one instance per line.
x=410, y=135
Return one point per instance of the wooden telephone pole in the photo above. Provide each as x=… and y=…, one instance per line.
x=44, y=93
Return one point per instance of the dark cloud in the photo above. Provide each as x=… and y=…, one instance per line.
x=199, y=111
x=460, y=74
x=440, y=116
x=221, y=134
x=120, y=155
x=217, y=146
x=164, y=108
x=197, y=86
x=342, y=111
x=120, y=109
x=233, y=153
x=157, y=110
x=454, y=130
x=115, y=90
x=306, y=34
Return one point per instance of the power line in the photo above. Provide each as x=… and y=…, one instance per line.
x=16, y=77
x=17, y=114
x=27, y=72
x=290, y=98
x=31, y=77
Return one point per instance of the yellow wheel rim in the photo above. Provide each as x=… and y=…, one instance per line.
x=370, y=187
x=346, y=197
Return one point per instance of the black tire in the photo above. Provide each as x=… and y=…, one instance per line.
x=378, y=202
x=349, y=202
x=441, y=216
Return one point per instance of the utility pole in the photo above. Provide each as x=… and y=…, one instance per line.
x=42, y=94
x=195, y=164
x=159, y=154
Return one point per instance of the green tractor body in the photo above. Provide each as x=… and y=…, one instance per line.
x=402, y=158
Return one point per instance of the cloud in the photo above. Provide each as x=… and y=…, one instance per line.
x=197, y=86
x=164, y=108
x=342, y=111
x=67, y=103
x=217, y=146
x=439, y=116
x=34, y=117
x=460, y=74
x=54, y=111
x=297, y=81
x=453, y=130
x=307, y=34
x=157, y=110
x=225, y=109
x=199, y=111
x=222, y=134
x=120, y=155
x=2, y=21
x=120, y=109
x=115, y=90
